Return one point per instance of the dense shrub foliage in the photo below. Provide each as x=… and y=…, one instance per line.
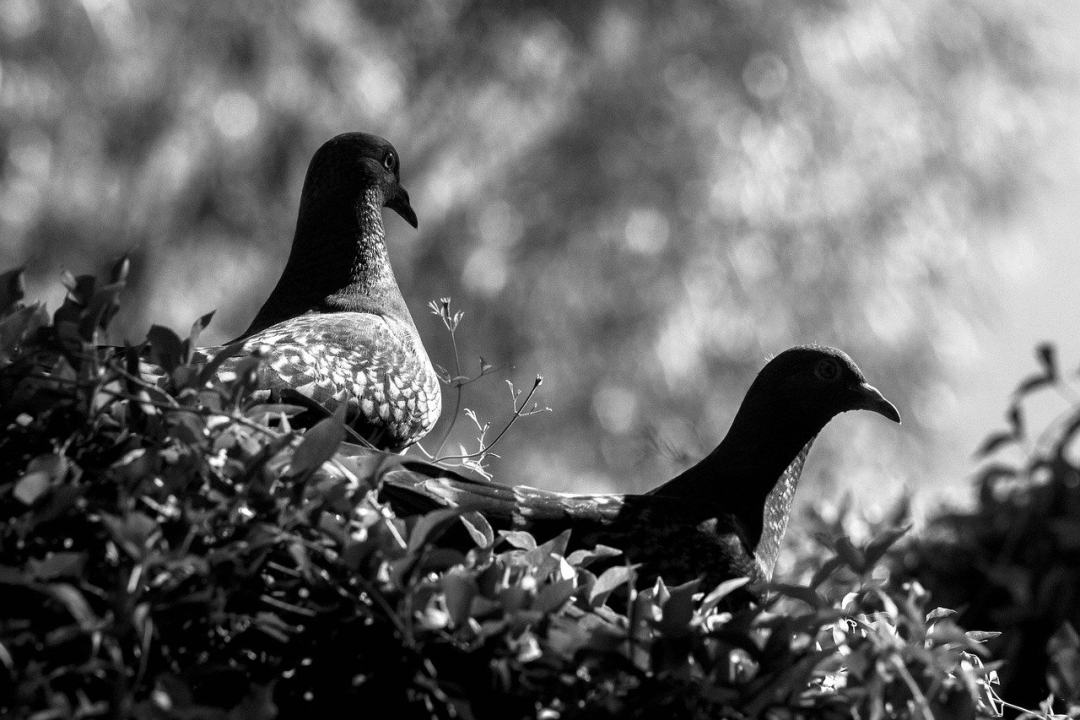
x=1013, y=563
x=170, y=548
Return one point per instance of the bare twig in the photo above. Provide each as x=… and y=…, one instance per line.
x=458, y=381
x=518, y=412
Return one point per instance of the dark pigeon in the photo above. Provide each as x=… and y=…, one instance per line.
x=723, y=518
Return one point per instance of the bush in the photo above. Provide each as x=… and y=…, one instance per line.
x=1013, y=562
x=170, y=548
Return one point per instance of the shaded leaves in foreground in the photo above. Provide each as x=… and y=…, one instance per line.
x=171, y=549
x=1013, y=562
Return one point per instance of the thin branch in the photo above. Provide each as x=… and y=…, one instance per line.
x=518, y=412
x=459, y=387
x=916, y=692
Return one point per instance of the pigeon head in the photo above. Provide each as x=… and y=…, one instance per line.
x=759, y=461
x=811, y=384
x=349, y=166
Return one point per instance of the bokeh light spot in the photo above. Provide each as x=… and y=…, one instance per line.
x=19, y=18
x=499, y=224
x=616, y=408
x=236, y=115
x=647, y=231
x=485, y=271
x=765, y=75
x=380, y=83
x=616, y=37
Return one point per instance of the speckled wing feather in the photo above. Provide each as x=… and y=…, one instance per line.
x=375, y=364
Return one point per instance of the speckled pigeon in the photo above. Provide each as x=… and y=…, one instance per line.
x=336, y=328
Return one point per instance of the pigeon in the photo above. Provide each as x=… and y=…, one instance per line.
x=336, y=329
x=723, y=518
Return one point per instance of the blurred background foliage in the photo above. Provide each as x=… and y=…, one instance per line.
x=642, y=201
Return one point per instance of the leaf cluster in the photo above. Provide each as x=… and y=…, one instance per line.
x=171, y=548
x=1012, y=562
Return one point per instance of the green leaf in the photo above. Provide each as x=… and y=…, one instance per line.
x=585, y=557
x=184, y=376
x=541, y=561
x=993, y=442
x=100, y=310
x=261, y=411
x=1033, y=383
x=272, y=625
x=75, y=602
x=118, y=273
x=551, y=597
x=808, y=595
x=319, y=443
x=439, y=559
x=608, y=581
x=557, y=545
x=939, y=613
x=63, y=370
x=720, y=592
x=430, y=526
x=479, y=529
x=679, y=609
x=658, y=593
x=166, y=349
x=519, y=539
x=850, y=554
x=1046, y=354
x=31, y=486
x=1015, y=416
x=877, y=547
x=196, y=329
x=442, y=373
x=514, y=598
x=12, y=288
x=132, y=532
x=980, y=636
x=60, y=564
x=217, y=361
x=459, y=588
x=859, y=664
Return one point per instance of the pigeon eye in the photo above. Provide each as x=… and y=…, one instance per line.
x=390, y=161
x=827, y=370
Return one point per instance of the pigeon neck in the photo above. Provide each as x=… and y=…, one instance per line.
x=746, y=474
x=338, y=263
x=370, y=284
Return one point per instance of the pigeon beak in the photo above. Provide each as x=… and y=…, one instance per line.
x=399, y=203
x=868, y=397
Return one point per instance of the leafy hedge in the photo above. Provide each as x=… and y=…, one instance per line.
x=1013, y=562
x=170, y=548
